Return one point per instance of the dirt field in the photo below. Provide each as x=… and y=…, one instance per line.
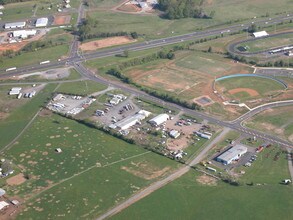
x=16, y=180
x=62, y=19
x=107, y=42
x=17, y=46
x=129, y=8
x=251, y=92
x=207, y=180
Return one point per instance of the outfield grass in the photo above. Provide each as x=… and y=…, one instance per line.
x=262, y=86
x=93, y=173
x=185, y=198
x=18, y=118
x=278, y=121
x=85, y=87
x=267, y=43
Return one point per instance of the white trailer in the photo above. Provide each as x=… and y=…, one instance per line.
x=10, y=69
x=45, y=62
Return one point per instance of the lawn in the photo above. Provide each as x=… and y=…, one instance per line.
x=30, y=58
x=85, y=87
x=277, y=121
x=245, y=88
x=152, y=26
x=267, y=43
x=186, y=198
x=21, y=114
x=94, y=169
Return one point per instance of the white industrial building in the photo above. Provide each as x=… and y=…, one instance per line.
x=174, y=134
x=15, y=25
x=15, y=91
x=24, y=33
x=126, y=123
x=3, y=205
x=159, y=119
x=232, y=154
x=42, y=22
x=260, y=34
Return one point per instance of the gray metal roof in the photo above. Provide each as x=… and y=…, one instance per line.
x=231, y=153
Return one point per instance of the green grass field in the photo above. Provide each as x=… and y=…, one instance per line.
x=267, y=43
x=52, y=54
x=94, y=169
x=186, y=198
x=278, y=121
x=152, y=26
x=84, y=87
x=250, y=87
x=20, y=114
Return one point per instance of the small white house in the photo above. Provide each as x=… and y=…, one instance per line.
x=58, y=150
x=174, y=134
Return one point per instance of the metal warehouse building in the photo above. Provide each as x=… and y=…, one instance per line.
x=232, y=154
x=159, y=119
x=15, y=25
x=42, y=22
x=260, y=34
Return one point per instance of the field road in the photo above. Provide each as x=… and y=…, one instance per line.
x=159, y=184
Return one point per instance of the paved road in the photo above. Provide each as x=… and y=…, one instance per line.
x=143, y=45
x=232, y=47
x=159, y=184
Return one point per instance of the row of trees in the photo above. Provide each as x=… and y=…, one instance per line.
x=183, y=9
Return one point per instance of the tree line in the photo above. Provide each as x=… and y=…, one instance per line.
x=183, y=9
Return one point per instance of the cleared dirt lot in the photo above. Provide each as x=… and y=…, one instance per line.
x=16, y=180
x=62, y=19
x=111, y=41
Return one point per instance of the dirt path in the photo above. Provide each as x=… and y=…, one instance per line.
x=159, y=184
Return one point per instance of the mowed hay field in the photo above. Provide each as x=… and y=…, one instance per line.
x=154, y=27
x=248, y=88
x=93, y=172
x=267, y=43
x=189, y=76
x=195, y=196
x=277, y=121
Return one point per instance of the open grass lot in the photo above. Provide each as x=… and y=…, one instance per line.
x=186, y=198
x=20, y=113
x=84, y=87
x=247, y=88
x=277, y=121
x=211, y=64
x=271, y=167
x=53, y=54
x=267, y=43
x=154, y=27
x=29, y=9
x=94, y=169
